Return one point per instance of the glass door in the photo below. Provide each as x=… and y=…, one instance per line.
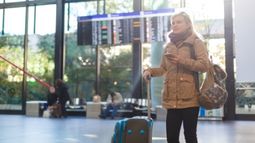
x=244, y=58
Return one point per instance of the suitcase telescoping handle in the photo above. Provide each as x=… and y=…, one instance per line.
x=149, y=97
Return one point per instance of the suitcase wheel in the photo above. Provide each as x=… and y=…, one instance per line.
x=141, y=132
x=129, y=132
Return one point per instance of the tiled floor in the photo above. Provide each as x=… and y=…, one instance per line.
x=24, y=129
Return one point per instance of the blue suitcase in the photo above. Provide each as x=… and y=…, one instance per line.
x=135, y=130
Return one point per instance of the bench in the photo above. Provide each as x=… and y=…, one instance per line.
x=133, y=107
x=35, y=108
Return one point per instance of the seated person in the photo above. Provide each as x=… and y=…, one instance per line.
x=114, y=101
x=59, y=94
x=52, y=98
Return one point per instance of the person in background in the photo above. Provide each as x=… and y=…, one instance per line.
x=114, y=101
x=60, y=94
x=52, y=97
x=180, y=94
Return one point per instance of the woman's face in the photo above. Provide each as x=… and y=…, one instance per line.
x=179, y=24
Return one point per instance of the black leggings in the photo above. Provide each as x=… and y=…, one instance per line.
x=174, y=120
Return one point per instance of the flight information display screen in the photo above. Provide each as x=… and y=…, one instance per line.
x=124, y=28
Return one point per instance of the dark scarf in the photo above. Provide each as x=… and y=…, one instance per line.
x=179, y=37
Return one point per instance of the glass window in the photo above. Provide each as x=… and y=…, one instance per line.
x=244, y=57
x=80, y=61
x=41, y=44
x=80, y=64
x=116, y=70
x=76, y=10
x=8, y=1
x=1, y=21
x=11, y=49
x=161, y=4
x=206, y=9
x=45, y=19
x=12, y=17
x=118, y=6
x=80, y=69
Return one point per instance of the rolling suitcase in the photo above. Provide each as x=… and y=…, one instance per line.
x=137, y=129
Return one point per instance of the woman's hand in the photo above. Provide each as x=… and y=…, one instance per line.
x=173, y=58
x=146, y=75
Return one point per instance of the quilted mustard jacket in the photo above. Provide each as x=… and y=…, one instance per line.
x=179, y=89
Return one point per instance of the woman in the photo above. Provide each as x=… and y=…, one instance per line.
x=180, y=96
x=60, y=92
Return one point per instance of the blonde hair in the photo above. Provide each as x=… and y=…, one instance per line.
x=188, y=20
x=186, y=17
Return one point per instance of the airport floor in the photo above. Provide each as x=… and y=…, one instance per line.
x=76, y=129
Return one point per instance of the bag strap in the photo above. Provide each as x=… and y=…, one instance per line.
x=193, y=56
